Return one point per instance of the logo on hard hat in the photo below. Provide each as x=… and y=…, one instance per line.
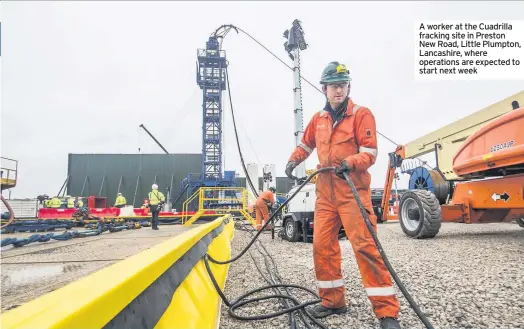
x=341, y=68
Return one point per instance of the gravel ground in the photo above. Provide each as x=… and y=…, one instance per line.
x=469, y=276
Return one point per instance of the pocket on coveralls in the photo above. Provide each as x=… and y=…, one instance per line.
x=322, y=133
x=372, y=217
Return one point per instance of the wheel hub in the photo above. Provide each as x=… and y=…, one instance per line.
x=289, y=228
x=414, y=214
x=410, y=214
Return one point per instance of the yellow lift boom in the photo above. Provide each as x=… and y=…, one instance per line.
x=445, y=142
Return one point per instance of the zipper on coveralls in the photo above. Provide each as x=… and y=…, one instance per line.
x=329, y=156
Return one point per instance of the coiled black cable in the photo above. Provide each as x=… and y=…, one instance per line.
x=240, y=301
x=276, y=278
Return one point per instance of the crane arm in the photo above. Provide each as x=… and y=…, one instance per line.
x=445, y=142
x=147, y=131
x=395, y=160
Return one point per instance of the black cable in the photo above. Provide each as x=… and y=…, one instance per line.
x=271, y=218
x=285, y=303
x=248, y=179
x=287, y=291
x=240, y=300
x=237, y=303
x=267, y=256
x=289, y=67
x=289, y=309
x=386, y=261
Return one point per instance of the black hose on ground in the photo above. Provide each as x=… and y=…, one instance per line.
x=271, y=280
x=384, y=257
x=241, y=300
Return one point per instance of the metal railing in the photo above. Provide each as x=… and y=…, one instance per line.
x=220, y=200
x=185, y=206
x=8, y=172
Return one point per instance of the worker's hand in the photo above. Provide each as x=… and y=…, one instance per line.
x=289, y=170
x=344, y=168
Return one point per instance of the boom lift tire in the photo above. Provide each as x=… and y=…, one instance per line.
x=520, y=221
x=291, y=231
x=415, y=203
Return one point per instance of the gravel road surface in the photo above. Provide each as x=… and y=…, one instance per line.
x=469, y=276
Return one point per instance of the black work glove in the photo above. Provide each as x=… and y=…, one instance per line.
x=289, y=170
x=344, y=168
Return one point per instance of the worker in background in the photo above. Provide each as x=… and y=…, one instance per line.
x=145, y=206
x=344, y=135
x=120, y=201
x=156, y=199
x=78, y=202
x=70, y=202
x=264, y=202
x=55, y=203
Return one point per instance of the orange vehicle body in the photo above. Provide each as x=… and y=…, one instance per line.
x=498, y=145
x=492, y=162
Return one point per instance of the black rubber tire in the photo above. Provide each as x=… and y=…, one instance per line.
x=520, y=221
x=428, y=204
x=378, y=213
x=293, y=234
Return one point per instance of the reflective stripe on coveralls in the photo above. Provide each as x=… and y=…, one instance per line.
x=353, y=139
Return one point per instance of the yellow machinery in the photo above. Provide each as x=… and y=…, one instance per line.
x=213, y=200
x=308, y=173
x=8, y=174
x=442, y=180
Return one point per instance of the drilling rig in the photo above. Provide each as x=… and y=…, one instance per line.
x=211, y=77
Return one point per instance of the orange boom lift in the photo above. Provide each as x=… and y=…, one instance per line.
x=479, y=177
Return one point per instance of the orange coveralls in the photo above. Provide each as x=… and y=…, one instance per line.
x=352, y=139
x=261, y=208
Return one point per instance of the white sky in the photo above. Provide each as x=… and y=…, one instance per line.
x=79, y=77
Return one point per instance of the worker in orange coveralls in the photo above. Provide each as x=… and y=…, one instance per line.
x=265, y=200
x=344, y=135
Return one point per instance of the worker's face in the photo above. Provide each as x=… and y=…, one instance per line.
x=336, y=93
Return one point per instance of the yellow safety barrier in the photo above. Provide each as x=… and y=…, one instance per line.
x=215, y=196
x=166, y=286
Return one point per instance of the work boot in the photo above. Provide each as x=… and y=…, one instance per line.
x=320, y=311
x=389, y=323
x=155, y=228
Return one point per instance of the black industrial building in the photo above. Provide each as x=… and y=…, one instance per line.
x=133, y=174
